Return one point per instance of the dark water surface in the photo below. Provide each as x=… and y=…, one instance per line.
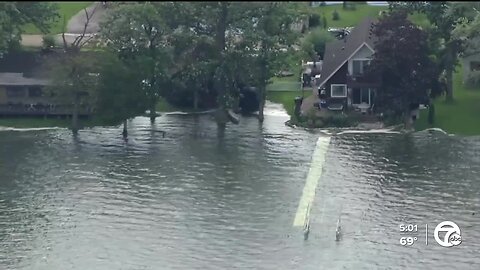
x=194, y=201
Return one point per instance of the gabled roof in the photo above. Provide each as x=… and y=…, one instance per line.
x=33, y=64
x=338, y=52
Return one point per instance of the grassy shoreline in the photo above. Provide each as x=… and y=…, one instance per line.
x=461, y=117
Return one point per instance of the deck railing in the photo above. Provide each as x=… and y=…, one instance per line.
x=41, y=109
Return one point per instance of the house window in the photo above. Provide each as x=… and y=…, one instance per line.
x=35, y=91
x=362, y=95
x=338, y=90
x=474, y=65
x=15, y=92
x=358, y=66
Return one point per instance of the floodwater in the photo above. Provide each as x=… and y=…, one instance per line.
x=194, y=200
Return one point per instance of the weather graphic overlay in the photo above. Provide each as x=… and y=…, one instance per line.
x=410, y=234
x=450, y=232
x=446, y=234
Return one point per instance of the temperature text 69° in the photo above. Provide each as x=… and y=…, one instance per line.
x=408, y=241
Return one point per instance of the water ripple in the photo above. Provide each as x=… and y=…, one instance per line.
x=194, y=200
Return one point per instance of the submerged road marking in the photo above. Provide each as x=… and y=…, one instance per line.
x=314, y=174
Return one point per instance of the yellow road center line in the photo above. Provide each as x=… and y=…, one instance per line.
x=314, y=174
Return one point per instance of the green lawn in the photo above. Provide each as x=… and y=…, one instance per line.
x=353, y=17
x=284, y=97
x=347, y=17
x=461, y=117
x=65, y=9
x=283, y=84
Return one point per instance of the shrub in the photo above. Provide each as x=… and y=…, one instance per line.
x=316, y=40
x=324, y=20
x=313, y=20
x=48, y=42
x=473, y=79
x=322, y=4
x=335, y=15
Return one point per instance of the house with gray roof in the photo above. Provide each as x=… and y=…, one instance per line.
x=342, y=83
x=23, y=81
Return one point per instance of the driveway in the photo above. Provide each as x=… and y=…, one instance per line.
x=77, y=23
x=75, y=27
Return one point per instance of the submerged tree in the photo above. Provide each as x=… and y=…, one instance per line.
x=218, y=26
x=402, y=63
x=74, y=81
x=75, y=75
x=270, y=32
x=138, y=32
x=120, y=93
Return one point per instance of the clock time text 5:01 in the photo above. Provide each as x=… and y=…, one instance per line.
x=408, y=227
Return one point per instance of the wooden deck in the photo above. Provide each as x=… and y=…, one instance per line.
x=40, y=110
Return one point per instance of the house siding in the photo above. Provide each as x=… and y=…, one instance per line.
x=340, y=77
x=25, y=98
x=466, y=65
x=363, y=53
x=3, y=95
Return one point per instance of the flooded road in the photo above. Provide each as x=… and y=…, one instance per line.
x=193, y=200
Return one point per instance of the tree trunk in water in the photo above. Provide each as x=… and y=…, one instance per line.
x=261, y=105
x=76, y=102
x=153, y=113
x=220, y=42
x=125, y=132
x=408, y=120
x=221, y=117
x=195, y=99
x=264, y=80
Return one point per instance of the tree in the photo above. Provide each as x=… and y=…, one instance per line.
x=74, y=81
x=120, y=93
x=317, y=40
x=222, y=25
x=74, y=75
x=14, y=15
x=314, y=20
x=401, y=61
x=467, y=29
x=444, y=16
x=138, y=32
x=194, y=60
x=270, y=32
